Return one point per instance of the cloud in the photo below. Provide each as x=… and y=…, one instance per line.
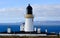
x=41, y=12
x=11, y=14
x=11, y=9
x=47, y=10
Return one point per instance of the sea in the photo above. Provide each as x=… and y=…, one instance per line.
x=51, y=26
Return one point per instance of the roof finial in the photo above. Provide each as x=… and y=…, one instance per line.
x=29, y=4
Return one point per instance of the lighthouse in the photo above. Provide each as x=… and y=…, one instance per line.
x=29, y=20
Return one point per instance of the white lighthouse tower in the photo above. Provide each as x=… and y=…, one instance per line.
x=29, y=20
x=9, y=29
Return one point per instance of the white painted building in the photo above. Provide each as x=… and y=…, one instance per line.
x=9, y=30
x=22, y=27
x=38, y=30
x=29, y=20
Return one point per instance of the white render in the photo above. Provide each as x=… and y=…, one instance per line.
x=24, y=35
x=35, y=29
x=8, y=30
x=28, y=25
x=59, y=33
x=46, y=30
x=38, y=30
x=22, y=27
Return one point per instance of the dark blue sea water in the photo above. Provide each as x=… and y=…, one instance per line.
x=51, y=27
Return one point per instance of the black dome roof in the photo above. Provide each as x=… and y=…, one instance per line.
x=29, y=7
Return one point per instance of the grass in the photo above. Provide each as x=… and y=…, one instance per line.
x=29, y=36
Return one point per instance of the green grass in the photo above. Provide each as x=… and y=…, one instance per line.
x=29, y=36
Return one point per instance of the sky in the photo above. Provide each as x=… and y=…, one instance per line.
x=12, y=11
